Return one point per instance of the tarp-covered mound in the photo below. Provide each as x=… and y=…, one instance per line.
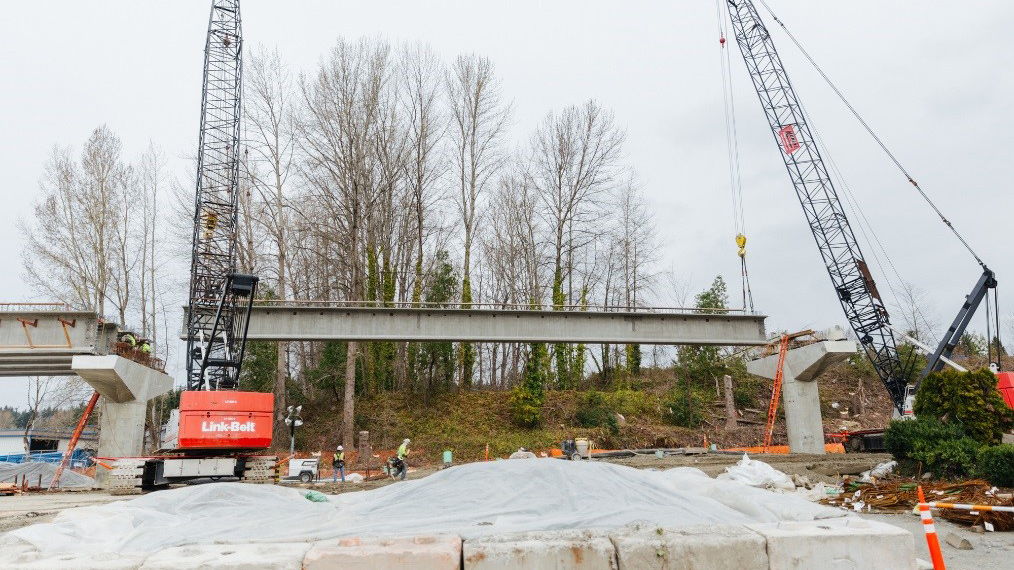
x=68, y=480
x=469, y=500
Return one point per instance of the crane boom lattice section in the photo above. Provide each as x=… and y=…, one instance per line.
x=212, y=321
x=852, y=281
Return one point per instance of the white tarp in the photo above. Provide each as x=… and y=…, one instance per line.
x=758, y=474
x=9, y=472
x=470, y=500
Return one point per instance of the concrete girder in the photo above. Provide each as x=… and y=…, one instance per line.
x=44, y=343
x=290, y=323
x=800, y=396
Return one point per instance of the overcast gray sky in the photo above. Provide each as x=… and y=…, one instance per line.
x=933, y=77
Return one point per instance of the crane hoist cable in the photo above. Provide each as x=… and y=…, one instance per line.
x=732, y=150
x=897, y=163
x=873, y=134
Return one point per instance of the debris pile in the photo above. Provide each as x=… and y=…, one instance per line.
x=903, y=496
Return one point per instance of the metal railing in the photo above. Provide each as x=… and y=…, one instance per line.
x=280, y=303
x=139, y=356
x=33, y=307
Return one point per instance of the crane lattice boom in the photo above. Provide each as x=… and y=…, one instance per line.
x=849, y=273
x=214, y=330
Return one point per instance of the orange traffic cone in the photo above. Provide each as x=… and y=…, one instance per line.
x=931, y=533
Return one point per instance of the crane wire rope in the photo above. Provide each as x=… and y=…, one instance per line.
x=874, y=243
x=873, y=134
x=896, y=162
x=866, y=230
x=732, y=151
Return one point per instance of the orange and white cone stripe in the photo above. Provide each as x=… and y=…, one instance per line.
x=967, y=507
x=931, y=533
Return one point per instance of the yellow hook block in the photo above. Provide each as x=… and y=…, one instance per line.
x=741, y=242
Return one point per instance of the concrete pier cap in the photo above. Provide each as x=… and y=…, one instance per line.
x=800, y=394
x=125, y=387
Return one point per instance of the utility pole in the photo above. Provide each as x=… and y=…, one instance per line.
x=294, y=420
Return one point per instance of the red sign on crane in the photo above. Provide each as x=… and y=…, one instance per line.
x=790, y=142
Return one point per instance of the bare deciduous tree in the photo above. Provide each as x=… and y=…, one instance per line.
x=916, y=312
x=342, y=114
x=70, y=248
x=574, y=162
x=479, y=120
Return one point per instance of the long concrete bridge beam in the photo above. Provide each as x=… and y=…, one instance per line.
x=291, y=323
x=43, y=343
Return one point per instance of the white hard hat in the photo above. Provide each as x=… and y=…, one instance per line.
x=340, y=448
x=407, y=440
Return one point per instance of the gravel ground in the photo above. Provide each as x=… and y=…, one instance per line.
x=22, y=510
x=992, y=550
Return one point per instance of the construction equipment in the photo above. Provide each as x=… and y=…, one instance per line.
x=55, y=483
x=305, y=470
x=850, y=275
x=776, y=390
x=221, y=430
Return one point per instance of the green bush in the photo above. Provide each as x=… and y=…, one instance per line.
x=948, y=458
x=528, y=397
x=968, y=398
x=526, y=407
x=684, y=409
x=996, y=464
x=591, y=410
x=926, y=444
x=745, y=390
x=902, y=436
x=632, y=402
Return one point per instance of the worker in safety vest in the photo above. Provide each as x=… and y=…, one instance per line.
x=145, y=347
x=403, y=457
x=338, y=464
x=130, y=339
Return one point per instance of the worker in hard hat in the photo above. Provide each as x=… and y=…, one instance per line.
x=145, y=347
x=338, y=464
x=403, y=457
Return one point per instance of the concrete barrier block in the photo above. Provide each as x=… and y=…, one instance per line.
x=264, y=556
x=844, y=543
x=29, y=558
x=699, y=547
x=560, y=550
x=438, y=552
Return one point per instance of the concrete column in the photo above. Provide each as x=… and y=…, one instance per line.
x=125, y=387
x=800, y=396
x=121, y=429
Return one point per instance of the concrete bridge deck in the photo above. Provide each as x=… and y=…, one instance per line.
x=42, y=340
x=307, y=321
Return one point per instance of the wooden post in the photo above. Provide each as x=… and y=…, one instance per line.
x=730, y=404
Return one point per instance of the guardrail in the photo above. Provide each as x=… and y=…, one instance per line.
x=497, y=307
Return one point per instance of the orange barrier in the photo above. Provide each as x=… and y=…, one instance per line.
x=966, y=507
x=784, y=449
x=931, y=533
